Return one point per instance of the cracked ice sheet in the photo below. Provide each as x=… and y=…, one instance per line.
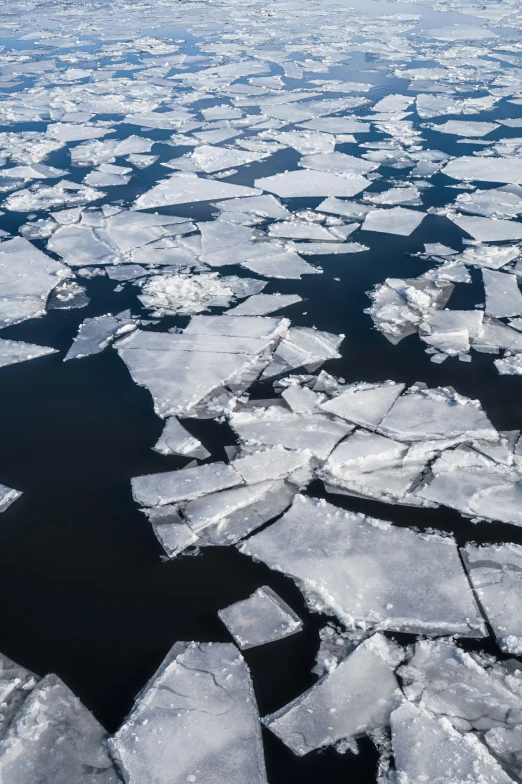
x=495, y=572
x=14, y=351
x=307, y=183
x=340, y=560
x=262, y=618
x=354, y=698
x=187, y=188
x=427, y=748
x=181, y=370
x=27, y=277
x=197, y=715
x=396, y=220
x=55, y=738
x=471, y=690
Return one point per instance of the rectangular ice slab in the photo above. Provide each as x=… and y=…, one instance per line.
x=183, y=485
x=195, y=721
x=186, y=188
x=484, y=169
x=341, y=561
x=54, y=738
x=356, y=697
x=395, y=220
x=263, y=617
x=503, y=296
x=428, y=749
x=495, y=571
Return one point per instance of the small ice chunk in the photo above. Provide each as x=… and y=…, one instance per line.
x=396, y=220
x=340, y=560
x=184, y=484
x=197, y=715
x=495, y=571
x=55, y=738
x=7, y=497
x=14, y=351
x=175, y=440
x=262, y=618
x=307, y=182
x=356, y=697
x=427, y=748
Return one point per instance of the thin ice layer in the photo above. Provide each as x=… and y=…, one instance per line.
x=196, y=716
x=262, y=618
x=495, y=571
x=354, y=698
x=341, y=561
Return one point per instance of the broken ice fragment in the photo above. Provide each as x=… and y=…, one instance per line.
x=495, y=572
x=488, y=229
x=354, y=698
x=364, y=404
x=503, y=296
x=340, y=560
x=185, y=484
x=484, y=169
x=308, y=182
x=186, y=188
x=263, y=304
x=7, y=497
x=262, y=618
x=396, y=220
x=55, y=738
x=14, y=351
x=196, y=716
x=175, y=440
x=96, y=333
x=428, y=748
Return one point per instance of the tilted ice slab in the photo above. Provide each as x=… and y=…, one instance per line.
x=503, y=296
x=14, y=351
x=396, y=220
x=181, y=370
x=495, y=571
x=307, y=182
x=356, y=697
x=263, y=617
x=175, y=440
x=264, y=304
x=364, y=404
x=427, y=748
x=27, y=277
x=484, y=169
x=196, y=716
x=338, y=163
x=55, y=738
x=471, y=690
x=341, y=561
x=187, y=188
x=184, y=484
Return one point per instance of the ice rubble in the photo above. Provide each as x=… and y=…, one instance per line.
x=196, y=715
x=356, y=697
x=262, y=618
x=495, y=573
x=337, y=559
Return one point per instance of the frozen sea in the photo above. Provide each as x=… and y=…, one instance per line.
x=351, y=505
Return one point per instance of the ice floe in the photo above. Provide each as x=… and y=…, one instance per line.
x=262, y=618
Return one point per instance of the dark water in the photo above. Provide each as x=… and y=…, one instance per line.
x=86, y=593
